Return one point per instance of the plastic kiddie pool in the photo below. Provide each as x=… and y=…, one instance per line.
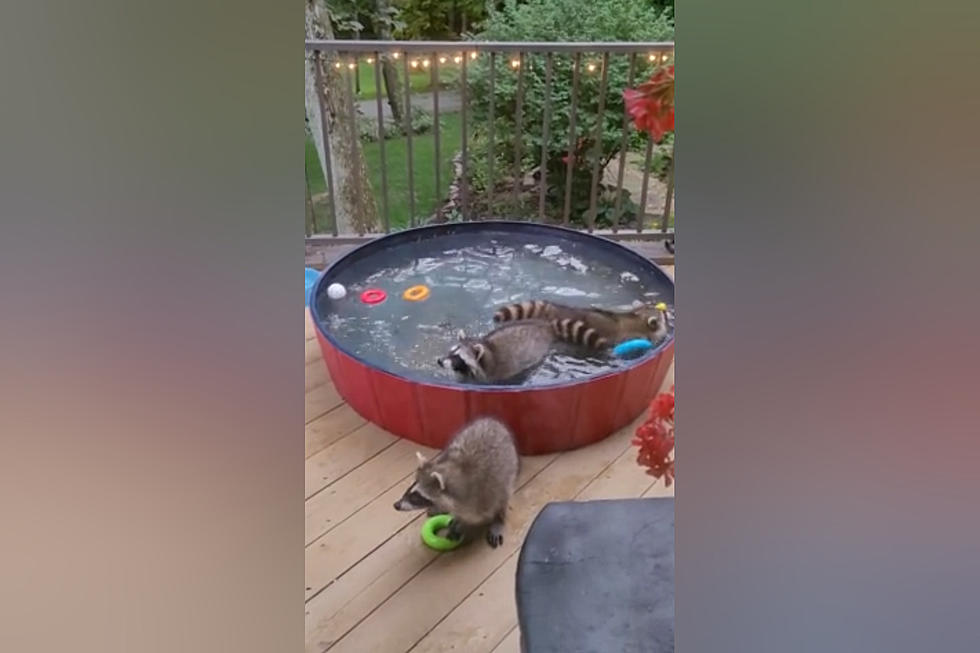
x=544, y=418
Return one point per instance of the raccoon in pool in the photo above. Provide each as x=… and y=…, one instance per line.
x=468, y=283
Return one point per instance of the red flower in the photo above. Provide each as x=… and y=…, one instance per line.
x=651, y=104
x=663, y=406
x=655, y=438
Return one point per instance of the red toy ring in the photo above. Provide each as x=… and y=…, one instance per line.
x=373, y=296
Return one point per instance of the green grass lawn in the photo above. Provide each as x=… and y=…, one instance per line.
x=420, y=78
x=396, y=156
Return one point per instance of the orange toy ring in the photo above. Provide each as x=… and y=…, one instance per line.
x=416, y=293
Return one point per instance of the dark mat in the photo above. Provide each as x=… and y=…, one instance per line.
x=598, y=577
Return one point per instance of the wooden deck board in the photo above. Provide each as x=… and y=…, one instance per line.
x=511, y=643
x=320, y=400
x=330, y=427
x=408, y=615
x=346, y=601
x=371, y=584
x=361, y=486
x=316, y=374
x=347, y=453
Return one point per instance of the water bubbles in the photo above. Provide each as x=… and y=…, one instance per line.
x=551, y=251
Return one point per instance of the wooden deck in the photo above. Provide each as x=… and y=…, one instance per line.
x=371, y=585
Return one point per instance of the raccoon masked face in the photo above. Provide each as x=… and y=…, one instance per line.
x=655, y=318
x=425, y=492
x=465, y=358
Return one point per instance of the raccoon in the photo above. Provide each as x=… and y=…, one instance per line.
x=504, y=354
x=472, y=480
x=593, y=327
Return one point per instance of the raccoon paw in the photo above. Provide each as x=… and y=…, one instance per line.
x=454, y=531
x=495, y=535
x=432, y=512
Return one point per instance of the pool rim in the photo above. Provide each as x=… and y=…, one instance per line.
x=531, y=226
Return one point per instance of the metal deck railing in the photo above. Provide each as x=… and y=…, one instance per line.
x=541, y=68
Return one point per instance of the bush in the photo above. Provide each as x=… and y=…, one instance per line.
x=559, y=20
x=662, y=154
x=422, y=122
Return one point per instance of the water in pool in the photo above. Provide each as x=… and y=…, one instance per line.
x=467, y=282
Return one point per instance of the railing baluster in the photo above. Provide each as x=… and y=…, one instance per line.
x=435, y=122
x=309, y=199
x=566, y=210
x=408, y=142
x=646, y=183
x=352, y=125
x=670, y=192
x=319, y=67
x=463, y=184
x=597, y=147
x=518, y=133
x=623, y=146
x=493, y=98
x=381, y=140
x=545, y=125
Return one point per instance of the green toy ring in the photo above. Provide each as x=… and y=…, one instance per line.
x=433, y=541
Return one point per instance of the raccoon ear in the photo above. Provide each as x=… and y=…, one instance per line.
x=480, y=350
x=421, y=458
x=440, y=480
x=653, y=322
x=461, y=334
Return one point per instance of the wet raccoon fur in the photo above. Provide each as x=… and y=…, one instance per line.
x=593, y=327
x=503, y=354
x=472, y=480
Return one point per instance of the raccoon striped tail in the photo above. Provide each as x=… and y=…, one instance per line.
x=522, y=311
x=578, y=332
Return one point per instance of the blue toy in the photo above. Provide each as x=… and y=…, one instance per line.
x=632, y=348
x=311, y=277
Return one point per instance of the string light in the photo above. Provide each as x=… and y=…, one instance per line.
x=414, y=63
x=351, y=65
x=473, y=55
x=337, y=65
x=442, y=59
x=591, y=67
x=425, y=63
x=663, y=57
x=652, y=57
x=395, y=55
x=457, y=59
x=515, y=63
x=370, y=59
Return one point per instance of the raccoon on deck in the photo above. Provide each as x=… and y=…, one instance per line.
x=472, y=479
x=593, y=327
x=503, y=354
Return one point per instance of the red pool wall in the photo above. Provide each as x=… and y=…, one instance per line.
x=544, y=419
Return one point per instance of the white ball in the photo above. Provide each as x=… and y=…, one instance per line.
x=336, y=291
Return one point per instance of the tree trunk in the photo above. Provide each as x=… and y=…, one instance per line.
x=388, y=71
x=328, y=109
x=392, y=89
